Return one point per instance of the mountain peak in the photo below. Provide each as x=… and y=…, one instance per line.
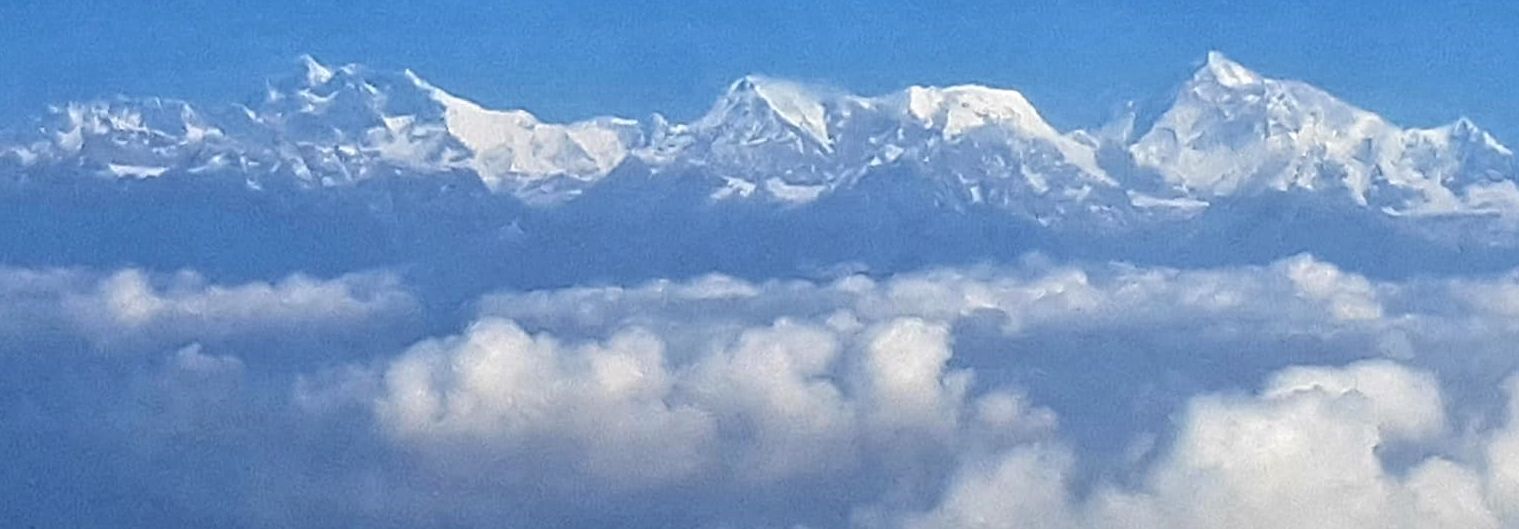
x=1464, y=126
x=316, y=73
x=1219, y=69
x=747, y=84
x=760, y=84
x=1465, y=130
x=796, y=104
x=1230, y=131
x=959, y=108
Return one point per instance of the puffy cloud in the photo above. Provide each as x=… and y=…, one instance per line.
x=1401, y=403
x=773, y=385
x=1301, y=453
x=1499, y=295
x=1502, y=452
x=1026, y=488
x=501, y=390
x=132, y=308
x=1348, y=296
x=904, y=374
x=776, y=402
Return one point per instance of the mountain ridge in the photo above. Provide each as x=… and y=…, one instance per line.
x=1227, y=132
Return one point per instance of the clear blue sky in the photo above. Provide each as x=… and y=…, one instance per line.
x=1418, y=63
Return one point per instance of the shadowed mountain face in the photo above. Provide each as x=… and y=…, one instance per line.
x=335, y=169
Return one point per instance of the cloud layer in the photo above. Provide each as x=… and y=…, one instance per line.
x=1293, y=394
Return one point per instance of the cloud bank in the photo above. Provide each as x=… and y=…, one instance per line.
x=1293, y=394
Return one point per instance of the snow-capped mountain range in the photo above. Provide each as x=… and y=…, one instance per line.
x=1226, y=133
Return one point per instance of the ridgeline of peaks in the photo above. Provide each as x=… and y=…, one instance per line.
x=1228, y=132
x=1231, y=131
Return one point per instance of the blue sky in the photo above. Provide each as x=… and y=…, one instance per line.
x=1417, y=62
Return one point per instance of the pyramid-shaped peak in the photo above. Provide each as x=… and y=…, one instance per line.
x=316, y=73
x=753, y=85
x=1220, y=69
x=747, y=83
x=311, y=72
x=1465, y=125
x=1464, y=129
x=765, y=87
x=795, y=103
